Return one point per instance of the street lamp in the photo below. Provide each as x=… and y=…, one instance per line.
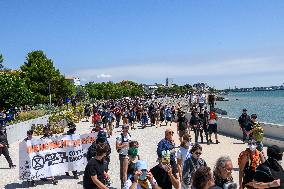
x=49, y=86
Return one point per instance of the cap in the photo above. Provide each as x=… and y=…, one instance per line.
x=101, y=137
x=140, y=164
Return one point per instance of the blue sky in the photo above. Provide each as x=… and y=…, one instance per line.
x=225, y=43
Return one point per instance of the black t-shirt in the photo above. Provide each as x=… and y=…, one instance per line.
x=182, y=122
x=93, y=168
x=162, y=177
x=267, y=173
x=244, y=120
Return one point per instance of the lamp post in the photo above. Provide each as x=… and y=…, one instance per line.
x=49, y=90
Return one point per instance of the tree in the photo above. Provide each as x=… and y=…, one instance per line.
x=39, y=73
x=14, y=91
x=110, y=90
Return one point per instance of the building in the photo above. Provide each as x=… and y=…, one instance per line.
x=169, y=82
x=74, y=80
x=150, y=89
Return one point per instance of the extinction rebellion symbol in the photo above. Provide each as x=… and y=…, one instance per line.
x=38, y=162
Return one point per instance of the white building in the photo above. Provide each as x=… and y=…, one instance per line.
x=74, y=80
x=150, y=89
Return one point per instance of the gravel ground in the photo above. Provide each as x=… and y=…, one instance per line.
x=148, y=139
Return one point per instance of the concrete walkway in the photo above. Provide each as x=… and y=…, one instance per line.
x=148, y=139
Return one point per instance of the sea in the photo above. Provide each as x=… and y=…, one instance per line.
x=268, y=105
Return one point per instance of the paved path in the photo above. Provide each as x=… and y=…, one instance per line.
x=148, y=139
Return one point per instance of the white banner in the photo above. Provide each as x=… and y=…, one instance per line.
x=40, y=158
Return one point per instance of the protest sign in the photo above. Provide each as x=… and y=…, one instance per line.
x=41, y=158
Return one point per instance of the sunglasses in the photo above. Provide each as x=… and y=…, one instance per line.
x=227, y=170
x=171, y=132
x=198, y=153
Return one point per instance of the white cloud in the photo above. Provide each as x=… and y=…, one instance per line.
x=158, y=71
x=103, y=76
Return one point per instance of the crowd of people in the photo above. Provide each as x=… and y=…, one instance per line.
x=183, y=168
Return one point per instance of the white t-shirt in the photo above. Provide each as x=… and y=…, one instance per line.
x=127, y=139
x=183, y=154
x=202, y=99
x=128, y=184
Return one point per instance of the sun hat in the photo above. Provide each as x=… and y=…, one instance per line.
x=141, y=165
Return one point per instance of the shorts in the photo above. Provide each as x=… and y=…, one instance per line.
x=181, y=133
x=168, y=118
x=131, y=119
x=212, y=128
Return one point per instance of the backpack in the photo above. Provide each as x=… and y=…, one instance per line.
x=122, y=140
x=91, y=153
x=258, y=132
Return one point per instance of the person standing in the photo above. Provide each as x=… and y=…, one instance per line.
x=122, y=147
x=157, y=117
x=213, y=125
x=47, y=135
x=270, y=174
x=30, y=137
x=95, y=176
x=244, y=120
x=117, y=113
x=182, y=126
x=191, y=165
x=141, y=178
x=71, y=131
x=195, y=123
x=256, y=132
x=4, y=145
x=203, y=179
x=223, y=173
x=211, y=101
x=165, y=173
x=201, y=101
x=131, y=118
x=204, y=115
x=248, y=161
x=87, y=112
x=183, y=153
x=168, y=114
